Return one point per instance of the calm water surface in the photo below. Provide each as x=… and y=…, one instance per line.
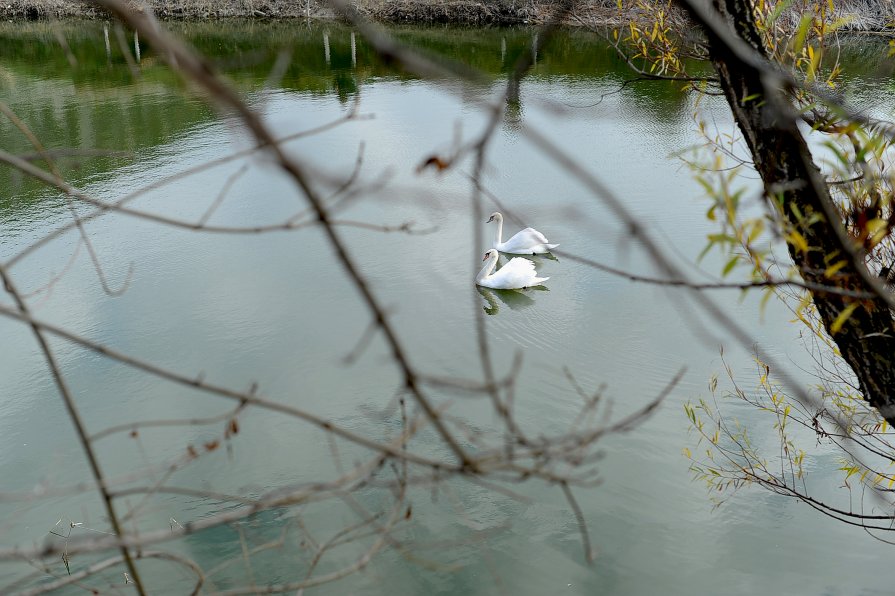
x=275, y=309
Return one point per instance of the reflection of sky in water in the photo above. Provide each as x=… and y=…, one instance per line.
x=277, y=310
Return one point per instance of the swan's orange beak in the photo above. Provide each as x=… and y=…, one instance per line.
x=485, y=258
x=490, y=219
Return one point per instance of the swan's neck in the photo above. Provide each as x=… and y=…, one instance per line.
x=499, y=219
x=487, y=269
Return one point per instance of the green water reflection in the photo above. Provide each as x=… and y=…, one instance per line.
x=96, y=100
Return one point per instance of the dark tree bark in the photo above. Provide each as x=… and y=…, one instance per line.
x=793, y=184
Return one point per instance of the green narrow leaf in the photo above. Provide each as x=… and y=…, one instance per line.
x=781, y=6
x=729, y=266
x=764, y=301
x=802, y=33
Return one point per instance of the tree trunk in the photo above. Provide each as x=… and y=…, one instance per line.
x=794, y=185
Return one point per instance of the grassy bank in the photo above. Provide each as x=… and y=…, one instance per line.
x=422, y=11
x=858, y=15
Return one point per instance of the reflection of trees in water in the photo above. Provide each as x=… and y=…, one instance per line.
x=92, y=129
x=98, y=104
x=513, y=113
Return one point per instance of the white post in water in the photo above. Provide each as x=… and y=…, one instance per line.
x=534, y=49
x=137, y=46
x=326, y=47
x=353, y=51
x=108, y=47
x=503, y=49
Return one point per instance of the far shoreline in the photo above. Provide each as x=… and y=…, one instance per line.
x=857, y=18
x=459, y=12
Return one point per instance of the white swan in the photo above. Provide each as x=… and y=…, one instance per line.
x=517, y=273
x=527, y=242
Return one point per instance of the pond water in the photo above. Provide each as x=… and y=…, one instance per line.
x=276, y=309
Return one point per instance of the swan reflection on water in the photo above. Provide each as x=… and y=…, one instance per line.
x=539, y=259
x=514, y=299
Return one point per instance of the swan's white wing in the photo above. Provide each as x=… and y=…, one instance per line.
x=525, y=241
x=517, y=273
x=536, y=235
x=520, y=266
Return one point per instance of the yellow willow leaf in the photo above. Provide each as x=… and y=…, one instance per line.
x=815, y=62
x=804, y=303
x=840, y=23
x=876, y=224
x=832, y=269
x=687, y=453
x=757, y=229
x=877, y=229
x=879, y=237
x=764, y=300
x=843, y=317
x=797, y=240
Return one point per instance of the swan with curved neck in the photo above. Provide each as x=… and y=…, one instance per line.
x=518, y=273
x=526, y=242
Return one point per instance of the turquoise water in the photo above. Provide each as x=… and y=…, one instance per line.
x=276, y=310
